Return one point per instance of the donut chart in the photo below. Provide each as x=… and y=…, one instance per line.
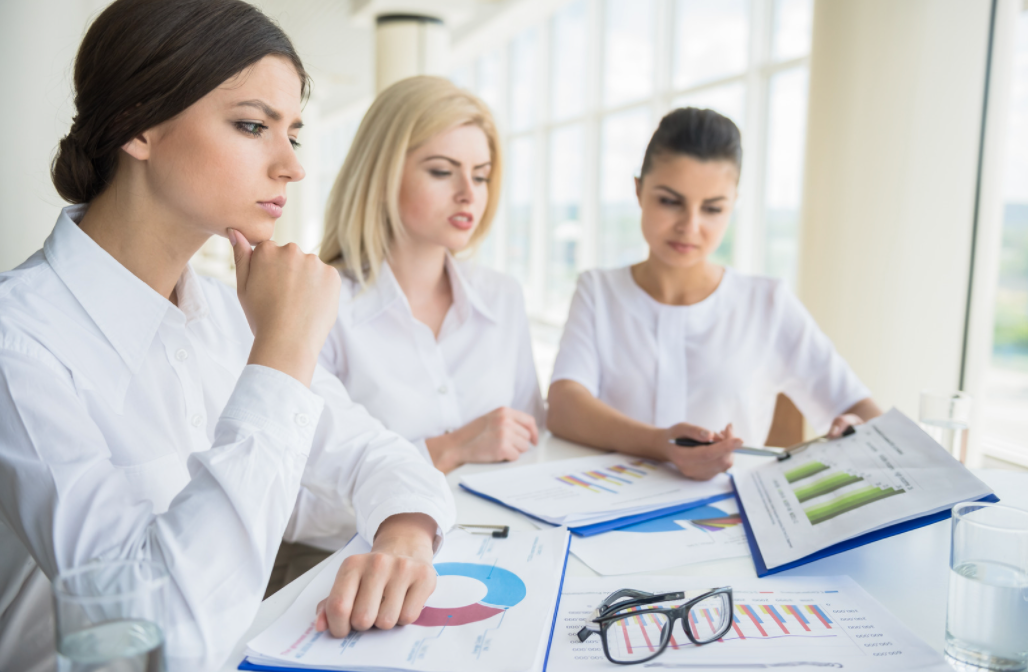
x=504, y=589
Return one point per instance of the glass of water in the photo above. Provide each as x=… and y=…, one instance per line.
x=110, y=617
x=987, y=612
x=946, y=416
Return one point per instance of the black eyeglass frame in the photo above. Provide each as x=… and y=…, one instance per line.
x=610, y=611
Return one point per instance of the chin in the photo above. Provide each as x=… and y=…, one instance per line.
x=255, y=232
x=681, y=260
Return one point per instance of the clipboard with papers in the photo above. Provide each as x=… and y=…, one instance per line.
x=885, y=478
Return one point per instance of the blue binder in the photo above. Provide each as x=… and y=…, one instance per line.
x=608, y=525
x=883, y=533
x=247, y=665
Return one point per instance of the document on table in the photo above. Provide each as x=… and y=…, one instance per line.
x=493, y=608
x=595, y=489
x=792, y=623
x=710, y=532
x=887, y=473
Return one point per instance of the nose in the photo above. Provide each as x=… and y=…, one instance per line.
x=286, y=164
x=465, y=188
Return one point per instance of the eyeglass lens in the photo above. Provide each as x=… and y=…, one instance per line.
x=640, y=634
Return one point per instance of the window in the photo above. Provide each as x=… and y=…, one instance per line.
x=1004, y=417
x=585, y=87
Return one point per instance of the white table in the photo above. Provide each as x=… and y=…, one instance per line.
x=908, y=573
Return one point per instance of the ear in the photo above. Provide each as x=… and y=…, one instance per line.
x=139, y=147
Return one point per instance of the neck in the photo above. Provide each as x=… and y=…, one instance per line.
x=420, y=270
x=677, y=286
x=151, y=246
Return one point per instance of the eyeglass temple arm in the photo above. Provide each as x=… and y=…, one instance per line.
x=638, y=602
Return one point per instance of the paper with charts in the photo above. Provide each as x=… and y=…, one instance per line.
x=782, y=623
x=888, y=472
x=492, y=609
x=710, y=532
x=594, y=489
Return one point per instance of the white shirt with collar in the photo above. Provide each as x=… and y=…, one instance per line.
x=724, y=359
x=421, y=386
x=131, y=428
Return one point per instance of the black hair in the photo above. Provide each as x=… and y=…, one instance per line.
x=143, y=62
x=701, y=134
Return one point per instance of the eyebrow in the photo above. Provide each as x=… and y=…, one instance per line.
x=455, y=162
x=678, y=195
x=268, y=110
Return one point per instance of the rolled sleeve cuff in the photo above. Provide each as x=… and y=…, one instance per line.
x=276, y=403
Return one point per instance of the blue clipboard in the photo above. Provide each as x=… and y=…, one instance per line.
x=247, y=665
x=884, y=533
x=608, y=525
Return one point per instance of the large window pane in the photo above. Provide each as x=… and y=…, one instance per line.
x=564, y=225
x=488, y=80
x=568, y=57
x=628, y=50
x=463, y=77
x=518, y=186
x=623, y=143
x=711, y=40
x=727, y=99
x=1004, y=420
x=787, y=124
x=524, y=52
x=790, y=36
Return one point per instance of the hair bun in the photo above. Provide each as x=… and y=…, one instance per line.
x=75, y=174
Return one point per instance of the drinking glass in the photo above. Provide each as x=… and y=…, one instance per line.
x=110, y=617
x=987, y=611
x=946, y=416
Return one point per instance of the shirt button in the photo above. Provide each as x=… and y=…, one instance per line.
x=196, y=420
x=302, y=419
x=443, y=389
x=181, y=354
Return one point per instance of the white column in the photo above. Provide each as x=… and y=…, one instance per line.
x=896, y=92
x=407, y=45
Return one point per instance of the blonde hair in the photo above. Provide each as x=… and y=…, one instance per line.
x=362, y=217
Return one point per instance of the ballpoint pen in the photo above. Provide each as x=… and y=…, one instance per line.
x=770, y=451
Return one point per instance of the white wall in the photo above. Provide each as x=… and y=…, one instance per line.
x=892, y=150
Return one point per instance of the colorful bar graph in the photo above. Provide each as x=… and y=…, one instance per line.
x=597, y=474
x=848, y=502
x=821, y=616
x=748, y=610
x=718, y=524
x=825, y=485
x=591, y=487
x=609, y=479
x=798, y=615
x=773, y=613
x=804, y=471
x=627, y=471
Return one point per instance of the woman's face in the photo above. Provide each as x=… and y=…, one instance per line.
x=686, y=204
x=225, y=161
x=445, y=187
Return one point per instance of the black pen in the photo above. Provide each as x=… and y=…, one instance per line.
x=745, y=450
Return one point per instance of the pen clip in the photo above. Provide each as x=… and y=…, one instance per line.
x=792, y=450
x=495, y=531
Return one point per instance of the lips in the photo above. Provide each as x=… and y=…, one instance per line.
x=682, y=248
x=464, y=221
x=274, y=206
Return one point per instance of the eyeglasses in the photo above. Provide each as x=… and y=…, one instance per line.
x=633, y=632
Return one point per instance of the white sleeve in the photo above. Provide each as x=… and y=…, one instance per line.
x=816, y=377
x=578, y=358
x=69, y=504
x=332, y=356
x=355, y=460
x=527, y=396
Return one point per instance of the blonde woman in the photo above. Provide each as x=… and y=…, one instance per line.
x=437, y=349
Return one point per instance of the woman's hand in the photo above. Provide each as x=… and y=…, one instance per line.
x=840, y=424
x=386, y=587
x=290, y=299
x=700, y=462
x=498, y=436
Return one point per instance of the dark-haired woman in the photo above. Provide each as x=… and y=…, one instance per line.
x=678, y=345
x=148, y=413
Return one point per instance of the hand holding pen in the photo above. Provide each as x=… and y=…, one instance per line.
x=711, y=454
x=770, y=451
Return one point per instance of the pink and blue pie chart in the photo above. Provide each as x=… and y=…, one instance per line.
x=504, y=589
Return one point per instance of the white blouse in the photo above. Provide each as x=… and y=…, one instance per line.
x=420, y=386
x=132, y=428
x=724, y=359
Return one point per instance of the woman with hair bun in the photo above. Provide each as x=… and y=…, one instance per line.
x=678, y=346
x=148, y=413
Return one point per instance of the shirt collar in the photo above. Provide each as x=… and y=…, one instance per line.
x=126, y=310
x=386, y=290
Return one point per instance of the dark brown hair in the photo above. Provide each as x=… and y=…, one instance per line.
x=141, y=63
x=701, y=134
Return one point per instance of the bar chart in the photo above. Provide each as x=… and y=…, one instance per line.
x=832, y=491
x=612, y=478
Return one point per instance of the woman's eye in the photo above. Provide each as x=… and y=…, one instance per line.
x=481, y=180
x=254, y=128
x=439, y=173
x=295, y=143
x=668, y=201
x=713, y=211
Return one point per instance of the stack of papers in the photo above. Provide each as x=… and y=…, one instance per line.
x=887, y=478
x=597, y=493
x=493, y=609
x=792, y=623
